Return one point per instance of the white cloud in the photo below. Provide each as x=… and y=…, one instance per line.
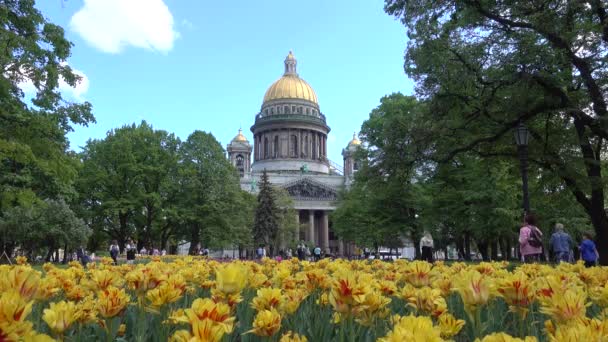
x=75, y=92
x=187, y=24
x=70, y=93
x=112, y=25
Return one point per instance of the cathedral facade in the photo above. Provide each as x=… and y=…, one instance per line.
x=290, y=143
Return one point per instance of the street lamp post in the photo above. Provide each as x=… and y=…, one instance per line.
x=521, y=139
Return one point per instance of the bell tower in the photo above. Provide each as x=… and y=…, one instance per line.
x=239, y=154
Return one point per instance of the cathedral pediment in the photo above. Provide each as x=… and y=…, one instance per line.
x=308, y=189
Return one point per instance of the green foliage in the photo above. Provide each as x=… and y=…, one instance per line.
x=34, y=162
x=380, y=207
x=483, y=67
x=43, y=227
x=147, y=184
x=210, y=196
x=286, y=218
x=266, y=224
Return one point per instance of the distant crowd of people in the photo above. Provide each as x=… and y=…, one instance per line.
x=531, y=248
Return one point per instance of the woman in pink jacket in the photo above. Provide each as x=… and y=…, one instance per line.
x=530, y=244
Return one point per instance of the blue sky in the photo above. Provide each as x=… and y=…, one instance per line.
x=186, y=65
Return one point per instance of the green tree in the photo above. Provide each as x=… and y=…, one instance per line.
x=44, y=227
x=286, y=218
x=209, y=192
x=266, y=223
x=34, y=162
x=380, y=208
x=484, y=67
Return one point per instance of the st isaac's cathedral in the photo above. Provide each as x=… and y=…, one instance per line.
x=290, y=143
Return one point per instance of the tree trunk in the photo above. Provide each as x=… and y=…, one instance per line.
x=482, y=246
x=416, y=237
x=506, y=249
x=148, y=228
x=65, y=254
x=460, y=247
x=123, y=229
x=600, y=224
x=494, y=250
x=195, y=238
x=467, y=246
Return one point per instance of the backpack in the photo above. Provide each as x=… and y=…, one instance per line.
x=535, y=239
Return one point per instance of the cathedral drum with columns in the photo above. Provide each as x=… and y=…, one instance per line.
x=290, y=143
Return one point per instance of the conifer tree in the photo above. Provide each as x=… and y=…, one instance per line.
x=266, y=225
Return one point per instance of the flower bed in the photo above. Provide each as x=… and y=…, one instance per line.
x=192, y=299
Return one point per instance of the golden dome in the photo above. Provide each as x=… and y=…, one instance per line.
x=240, y=137
x=290, y=85
x=355, y=141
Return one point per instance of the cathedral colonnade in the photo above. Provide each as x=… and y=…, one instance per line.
x=313, y=226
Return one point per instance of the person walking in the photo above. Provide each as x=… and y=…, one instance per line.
x=300, y=252
x=317, y=252
x=426, y=247
x=131, y=250
x=114, y=251
x=530, y=240
x=589, y=253
x=560, y=244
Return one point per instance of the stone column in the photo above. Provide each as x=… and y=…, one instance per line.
x=297, y=237
x=311, y=226
x=288, y=143
x=300, y=144
x=324, y=238
x=341, y=247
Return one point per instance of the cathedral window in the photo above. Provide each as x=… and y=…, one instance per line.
x=239, y=160
x=293, y=147
x=275, y=148
x=266, y=148
x=286, y=109
x=293, y=109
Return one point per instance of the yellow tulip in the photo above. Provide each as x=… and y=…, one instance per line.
x=21, y=260
x=266, y=323
x=502, y=337
x=428, y=301
x=231, y=278
x=112, y=301
x=413, y=329
x=13, y=313
x=449, y=325
x=207, y=331
x=87, y=310
x=419, y=274
x=567, y=307
x=164, y=294
x=60, y=316
x=267, y=298
x=293, y=337
x=206, y=309
x=474, y=289
x=181, y=336
x=517, y=291
x=101, y=279
x=21, y=278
